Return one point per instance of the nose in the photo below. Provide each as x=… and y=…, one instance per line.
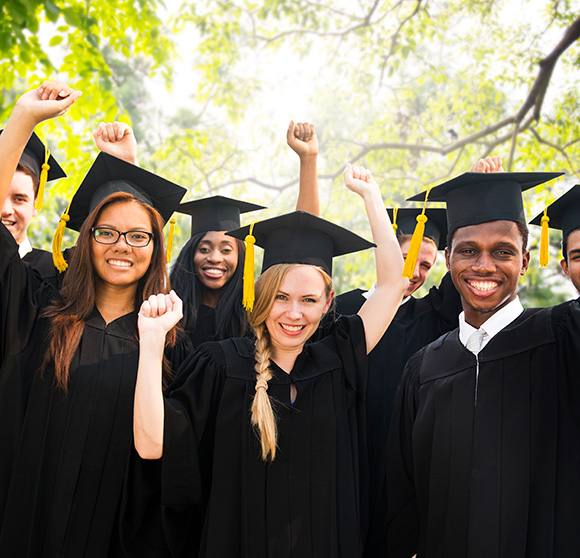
x=215, y=256
x=7, y=207
x=484, y=263
x=121, y=245
x=417, y=272
x=295, y=311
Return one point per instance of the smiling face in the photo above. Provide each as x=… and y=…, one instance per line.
x=18, y=207
x=571, y=263
x=486, y=262
x=425, y=261
x=119, y=264
x=215, y=259
x=299, y=304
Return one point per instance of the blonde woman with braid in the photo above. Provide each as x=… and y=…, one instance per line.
x=262, y=442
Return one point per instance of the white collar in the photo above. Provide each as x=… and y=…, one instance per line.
x=24, y=247
x=493, y=325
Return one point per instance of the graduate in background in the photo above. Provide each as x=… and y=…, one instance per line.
x=484, y=442
x=23, y=201
x=207, y=274
x=563, y=215
x=262, y=443
x=69, y=357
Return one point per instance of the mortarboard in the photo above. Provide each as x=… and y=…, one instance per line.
x=216, y=213
x=404, y=220
x=106, y=176
x=474, y=198
x=563, y=214
x=34, y=158
x=296, y=237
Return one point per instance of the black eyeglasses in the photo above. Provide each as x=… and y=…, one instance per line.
x=107, y=235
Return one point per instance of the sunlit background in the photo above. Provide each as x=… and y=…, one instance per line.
x=415, y=90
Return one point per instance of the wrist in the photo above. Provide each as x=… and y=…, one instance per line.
x=23, y=118
x=308, y=157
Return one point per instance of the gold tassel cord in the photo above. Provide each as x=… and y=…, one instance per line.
x=39, y=204
x=248, y=288
x=416, y=239
x=394, y=224
x=170, y=236
x=57, y=257
x=544, y=239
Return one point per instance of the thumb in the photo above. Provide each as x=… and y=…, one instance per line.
x=290, y=132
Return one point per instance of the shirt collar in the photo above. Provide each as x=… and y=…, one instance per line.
x=24, y=247
x=493, y=325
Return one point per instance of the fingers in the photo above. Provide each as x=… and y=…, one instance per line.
x=112, y=131
x=361, y=173
x=489, y=164
x=52, y=90
x=145, y=309
x=157, y=305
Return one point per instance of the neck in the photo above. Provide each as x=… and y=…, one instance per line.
x=285, y=358
x=114, y=301
x=476, y=317
x=210, y=297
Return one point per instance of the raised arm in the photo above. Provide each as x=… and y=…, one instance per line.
x=378, y=311
x=49, y=100
x=158, y=315
x=301, y=137
x=117, y=139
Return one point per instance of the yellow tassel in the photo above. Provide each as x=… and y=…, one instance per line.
x=57, y=257
x=416, y=239
x=248, y=290
x=170, y=238
x=394, y=224
x=544, y=239
x=42, y=181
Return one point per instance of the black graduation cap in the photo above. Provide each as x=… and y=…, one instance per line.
x=33, y=158
x=108, y=175
x=301, y=237
x=564, y=213
x=435, y=227
x=216, y=213
x=473, y=197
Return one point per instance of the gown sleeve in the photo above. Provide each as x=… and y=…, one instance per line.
x=190, y=412
x=402, y=522
x=21, y=295
x=348, y=336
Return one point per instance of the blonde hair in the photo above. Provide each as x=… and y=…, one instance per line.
x=263, y=417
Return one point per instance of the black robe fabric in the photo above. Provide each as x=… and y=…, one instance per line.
x=416, y=323
x=497, y=476
x=205, y=329
x=310, y=501
x=41, y=261
x=64, y=456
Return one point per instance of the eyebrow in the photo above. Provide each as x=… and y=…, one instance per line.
x=303, y=295
x=142, y=228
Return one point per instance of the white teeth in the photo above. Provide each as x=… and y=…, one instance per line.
x=483, y=285
x=120, y=263
x=292, y=328
x=214, y=271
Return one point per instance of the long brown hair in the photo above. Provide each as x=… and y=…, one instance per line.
x=67, y=314
x=263, y=417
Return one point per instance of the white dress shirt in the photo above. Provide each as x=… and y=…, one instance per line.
x=24, y=248
x=493, y=325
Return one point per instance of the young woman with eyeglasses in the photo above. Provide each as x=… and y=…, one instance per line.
x=69, y=358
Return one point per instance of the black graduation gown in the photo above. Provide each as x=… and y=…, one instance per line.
x=41, y=261
x=311, y=500
x=416, y=323
x=501, y=476
x=64, y=456
x=204, y=326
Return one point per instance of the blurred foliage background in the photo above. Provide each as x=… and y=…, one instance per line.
x=416, y=90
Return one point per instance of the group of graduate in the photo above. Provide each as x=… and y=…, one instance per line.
x=201, y=413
